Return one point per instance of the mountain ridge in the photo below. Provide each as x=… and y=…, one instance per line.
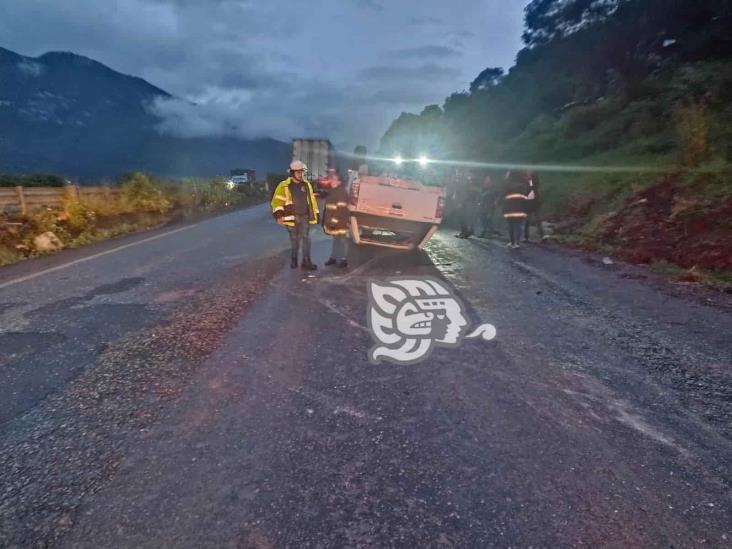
x=66, y=113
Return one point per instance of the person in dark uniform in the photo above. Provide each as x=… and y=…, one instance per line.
x=533, y=207
x=469, y=207
x=487, y=207
x=335, y=221
x=515, y=205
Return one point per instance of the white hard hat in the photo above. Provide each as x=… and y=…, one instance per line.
x=297, y=165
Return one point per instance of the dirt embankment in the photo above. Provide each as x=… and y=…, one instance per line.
x=673, y=221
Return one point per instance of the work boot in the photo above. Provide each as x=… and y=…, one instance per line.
x=343, y=263
x=308, y=265
x=293, y=263
x=330, y=262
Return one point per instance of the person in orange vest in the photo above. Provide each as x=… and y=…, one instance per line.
x=515, y=205
x=335, y=220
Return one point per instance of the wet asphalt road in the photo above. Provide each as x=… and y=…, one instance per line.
x=193, y=391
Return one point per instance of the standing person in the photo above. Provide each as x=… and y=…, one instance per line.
x=514, y=206
x=459, y=192
x=451, y=199
x=468, y=207
x=294, y=206
x=487, y=207
x=335, y=221
x=533, y=207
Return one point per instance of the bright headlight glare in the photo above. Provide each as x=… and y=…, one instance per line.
x=423, y=161
x=398, y=160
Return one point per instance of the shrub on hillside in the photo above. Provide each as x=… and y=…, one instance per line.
x=693, y=127
x=79, y=216
x=143, y=195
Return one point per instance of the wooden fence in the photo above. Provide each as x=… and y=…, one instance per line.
x=27, y=199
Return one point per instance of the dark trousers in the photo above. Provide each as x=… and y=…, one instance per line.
x=469, y=215
x=300, y=235
x=515, y=228
x=534, y=218
x=339, y=247
x=486, y=222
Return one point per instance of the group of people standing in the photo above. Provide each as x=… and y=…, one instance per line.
x=295, y=207
x=518, y=198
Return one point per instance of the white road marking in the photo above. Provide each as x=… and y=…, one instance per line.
x=89, y=258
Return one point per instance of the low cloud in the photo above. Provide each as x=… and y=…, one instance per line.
x=242, y=68
x=430, y=52
x=422, y=73
x=403, y=96
x=29, y=68
x=217, y=117
x=424, y=21
x=370, y=4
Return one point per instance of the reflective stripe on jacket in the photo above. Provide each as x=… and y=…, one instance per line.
x=335, y=218
x=515, y=204
x=282, y=207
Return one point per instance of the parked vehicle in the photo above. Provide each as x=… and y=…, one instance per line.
x=239, y=177
x=318, y=155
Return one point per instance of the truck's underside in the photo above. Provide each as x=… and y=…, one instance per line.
x=390, y=233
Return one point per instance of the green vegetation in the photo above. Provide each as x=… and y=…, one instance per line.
x=142, y=195
x=639, y=89
x=35, y=180
x=144, y=202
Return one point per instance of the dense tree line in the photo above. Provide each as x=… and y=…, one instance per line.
x=593, y=75
x=35, y=180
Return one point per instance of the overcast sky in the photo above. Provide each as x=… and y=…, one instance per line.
x=343, y=69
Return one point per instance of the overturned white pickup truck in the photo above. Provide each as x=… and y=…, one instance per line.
x=394, y=213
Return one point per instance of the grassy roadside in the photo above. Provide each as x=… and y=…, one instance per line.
x=144, y=203
x=677, y=222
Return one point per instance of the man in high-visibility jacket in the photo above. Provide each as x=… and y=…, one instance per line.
x=294, y=207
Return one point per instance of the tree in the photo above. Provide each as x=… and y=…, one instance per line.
x=489, y=78
x=547, y=20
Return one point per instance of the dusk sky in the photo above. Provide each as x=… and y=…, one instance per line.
x=340, y=69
